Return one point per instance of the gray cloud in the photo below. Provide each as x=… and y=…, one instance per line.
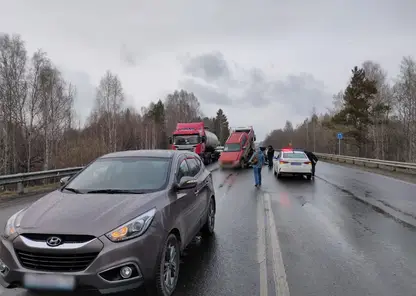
x=127, y=56
x=211, y=67
x=143, y=39
x=212, y=79
x=207, y=93
x=84, y=101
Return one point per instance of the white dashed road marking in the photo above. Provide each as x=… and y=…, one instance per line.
x=261, y=247
x=279, y=273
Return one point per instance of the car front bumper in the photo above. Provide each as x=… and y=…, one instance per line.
x=99, y=275
x=230, y=164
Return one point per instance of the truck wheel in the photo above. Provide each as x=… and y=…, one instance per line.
x=206, y=160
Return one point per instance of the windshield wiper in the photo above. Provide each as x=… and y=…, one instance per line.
x=72, y=190
x=116, y=191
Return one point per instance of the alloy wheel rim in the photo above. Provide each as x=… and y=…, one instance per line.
x=170, y=267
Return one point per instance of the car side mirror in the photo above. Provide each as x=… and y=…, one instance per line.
x=186, y=183
x=204, y=139
x=64, y=180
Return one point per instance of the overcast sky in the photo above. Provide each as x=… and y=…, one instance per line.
x=262, y=61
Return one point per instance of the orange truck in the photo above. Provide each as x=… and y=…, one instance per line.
x=238, y=148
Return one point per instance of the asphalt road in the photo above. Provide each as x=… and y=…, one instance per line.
x=294, y=237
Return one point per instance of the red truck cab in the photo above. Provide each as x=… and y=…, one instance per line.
x=194, y=136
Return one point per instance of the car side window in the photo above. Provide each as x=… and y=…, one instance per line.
x=183, y=170
x=243, y=142
x=193, y=166
x=199, y=162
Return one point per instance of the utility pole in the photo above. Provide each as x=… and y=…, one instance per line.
x=313, y=128
x=314, y=135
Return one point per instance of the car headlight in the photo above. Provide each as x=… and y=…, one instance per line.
x=133, y=228
x=12, y=224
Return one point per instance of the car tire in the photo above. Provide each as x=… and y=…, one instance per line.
x=208, y=228
x=279, y=176
x=166, y=265
x=309, y=177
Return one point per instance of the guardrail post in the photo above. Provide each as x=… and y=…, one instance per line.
x=20, y=188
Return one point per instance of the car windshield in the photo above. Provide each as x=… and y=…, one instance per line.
x=186, y=139
x=232, y=147
x=135, y=174
x=294, y=155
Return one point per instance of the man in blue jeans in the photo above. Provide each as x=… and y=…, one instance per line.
x=257, y=161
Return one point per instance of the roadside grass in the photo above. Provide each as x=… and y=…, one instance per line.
x=29, y=190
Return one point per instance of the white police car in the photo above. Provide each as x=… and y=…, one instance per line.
x=292, y=162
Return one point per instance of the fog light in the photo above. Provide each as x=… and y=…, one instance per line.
x=126, y=272
x=3, y=267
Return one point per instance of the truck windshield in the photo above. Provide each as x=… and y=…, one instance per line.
x=232, y=147
x=186, y=139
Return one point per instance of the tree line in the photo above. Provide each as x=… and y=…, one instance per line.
x=376, y=116
x=38, y=129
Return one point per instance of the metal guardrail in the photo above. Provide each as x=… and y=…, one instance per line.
x=22, y=178
x=404, y=167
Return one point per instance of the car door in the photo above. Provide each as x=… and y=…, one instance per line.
x=276, y=160
x=243, y=144
x=195, y=167
x=205, y=177
x=186, y=201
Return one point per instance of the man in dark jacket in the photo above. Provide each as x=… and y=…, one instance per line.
x=270, y=155
x=312, y=157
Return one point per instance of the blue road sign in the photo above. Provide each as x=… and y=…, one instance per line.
x=340, y=136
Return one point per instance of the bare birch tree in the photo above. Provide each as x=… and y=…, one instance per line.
x=109, y=101
x=12, y=95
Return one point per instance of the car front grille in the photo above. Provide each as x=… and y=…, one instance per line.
x=66, y=238
x=55, y=262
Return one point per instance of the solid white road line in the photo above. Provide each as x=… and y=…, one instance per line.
x=280, y=280
x=261, y=247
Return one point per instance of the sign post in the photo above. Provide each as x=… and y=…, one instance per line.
x=339, y=137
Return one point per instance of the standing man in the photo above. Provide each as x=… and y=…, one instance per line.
x=257, y=161
x=312, y=157
x=270, y=155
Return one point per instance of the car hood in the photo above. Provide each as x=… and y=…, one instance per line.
x=230, y=156
x=93, y=214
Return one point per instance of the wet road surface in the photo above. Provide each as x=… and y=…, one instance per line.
x=292, y=237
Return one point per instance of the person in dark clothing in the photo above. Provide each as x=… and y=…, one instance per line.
x=270, y=155
x=312, y=157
